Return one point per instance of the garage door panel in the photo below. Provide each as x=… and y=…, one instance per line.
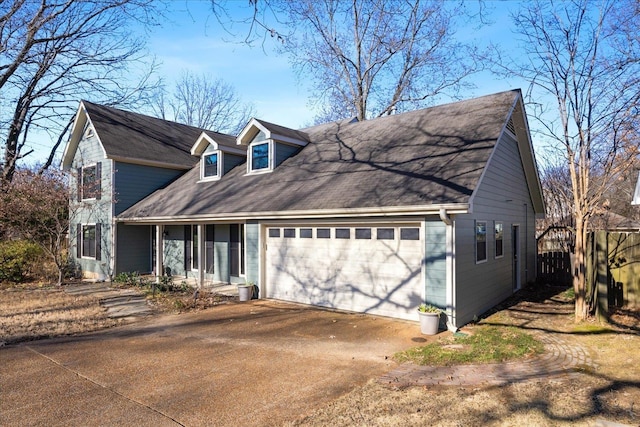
x=368, y=275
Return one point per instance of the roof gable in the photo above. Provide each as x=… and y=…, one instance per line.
x=423, y=159
x=516, y=123
x=134, y=138
x=218, y=141
x=271, y=131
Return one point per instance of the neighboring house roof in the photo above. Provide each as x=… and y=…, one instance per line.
x=407, y=163
x=135, y=138
x=613, y=222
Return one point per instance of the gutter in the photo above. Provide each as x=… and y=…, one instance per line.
x=461, y=208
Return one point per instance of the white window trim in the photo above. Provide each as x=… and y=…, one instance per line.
x=95, y=165
x=475, y=241
x=82, y=255
x=220, y=161
x=270, y=160
x=495, y=243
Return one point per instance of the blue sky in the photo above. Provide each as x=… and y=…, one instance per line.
x=194, y=40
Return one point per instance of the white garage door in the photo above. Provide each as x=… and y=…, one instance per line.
x=370, y=269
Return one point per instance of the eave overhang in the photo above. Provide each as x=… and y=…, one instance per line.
x=450, y=209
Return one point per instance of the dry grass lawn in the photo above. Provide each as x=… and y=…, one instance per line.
x=610, y=392
x=29, y=312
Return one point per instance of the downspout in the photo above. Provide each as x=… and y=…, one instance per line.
x=446, y=219
x=526, y=243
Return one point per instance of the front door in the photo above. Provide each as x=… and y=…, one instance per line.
x=515, y=240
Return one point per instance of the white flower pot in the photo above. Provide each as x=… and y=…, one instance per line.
x=429, y=323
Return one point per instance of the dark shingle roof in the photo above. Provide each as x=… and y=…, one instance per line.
x=426, y=157
x=136, y=137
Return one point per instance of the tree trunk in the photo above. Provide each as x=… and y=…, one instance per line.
x=579, y=274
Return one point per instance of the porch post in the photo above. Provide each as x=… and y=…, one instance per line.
x=200, y=255
x=159, y=251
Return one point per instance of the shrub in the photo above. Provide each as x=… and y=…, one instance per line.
x=17, y=258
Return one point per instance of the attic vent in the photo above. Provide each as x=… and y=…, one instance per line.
x=510, y=126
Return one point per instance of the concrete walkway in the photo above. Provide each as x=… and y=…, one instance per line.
x=128, y=303
x=120, y=303
x=560, y=358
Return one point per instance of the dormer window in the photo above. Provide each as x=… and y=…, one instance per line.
x=260, y=157
x=210, y=165
x=217, y=156
x=268, y=145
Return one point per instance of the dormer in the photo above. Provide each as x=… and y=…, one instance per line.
x=268, y=145
x=218, y=154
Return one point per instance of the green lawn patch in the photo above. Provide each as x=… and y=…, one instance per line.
x=486, y=344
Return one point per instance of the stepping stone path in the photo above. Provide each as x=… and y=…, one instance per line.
x=120, y=303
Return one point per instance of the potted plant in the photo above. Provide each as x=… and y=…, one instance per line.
x=429, y=319
x=245, y=291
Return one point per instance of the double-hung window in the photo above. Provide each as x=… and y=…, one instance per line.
x=481, y=241
x=210, y=165
x=88, y=241
x=499, y=240
x=89, y=185
x=259, y=157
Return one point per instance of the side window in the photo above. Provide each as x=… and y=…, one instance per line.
x=481, y=241
x=499, y=240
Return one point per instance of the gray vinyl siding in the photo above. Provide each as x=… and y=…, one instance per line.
x=436, y=263
x=252, y=247
x=231, y=161
x=135, y=182
x=283, y=152
x=173, y=255
x=502, y=196
x=92, y=211
x=133, y=248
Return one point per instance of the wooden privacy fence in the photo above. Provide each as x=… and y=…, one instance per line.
x=622, y=267
x=555, y=268
x=613, y=268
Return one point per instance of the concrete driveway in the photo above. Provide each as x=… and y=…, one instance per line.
x=257, y=363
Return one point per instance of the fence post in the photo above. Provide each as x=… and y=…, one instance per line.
x=602, y=275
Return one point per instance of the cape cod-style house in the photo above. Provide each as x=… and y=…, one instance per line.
x=434, y=205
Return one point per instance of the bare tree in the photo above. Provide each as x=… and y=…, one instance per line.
x=53, y=52
x=583, y=62
x=205, y=102
x=370, y=58
x=35, y=207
